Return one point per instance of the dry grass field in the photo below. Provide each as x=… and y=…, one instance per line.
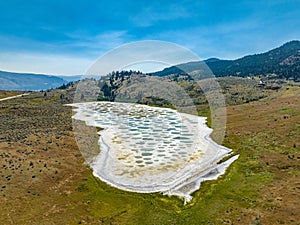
x=5, y=94
x=44, y=180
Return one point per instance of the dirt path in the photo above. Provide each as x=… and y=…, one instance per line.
x=11, y=97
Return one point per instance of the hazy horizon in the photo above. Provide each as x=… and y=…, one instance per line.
x=65, y=38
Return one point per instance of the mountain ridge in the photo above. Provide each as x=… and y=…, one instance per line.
x=283, y=61
x=29, y=81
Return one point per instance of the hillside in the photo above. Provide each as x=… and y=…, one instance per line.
x=43, y=169
x=28, y=82
x=283, y=61
x=172, y=90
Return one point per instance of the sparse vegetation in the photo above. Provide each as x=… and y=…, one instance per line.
x=261, y=187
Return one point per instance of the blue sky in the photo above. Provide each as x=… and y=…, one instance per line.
x=65, y=37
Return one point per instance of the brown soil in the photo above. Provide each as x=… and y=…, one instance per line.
x=40, y=161
x=271, y=128
x=42, y=168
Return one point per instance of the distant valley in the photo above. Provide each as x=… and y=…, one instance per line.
x=282, y=62
x=28, y=82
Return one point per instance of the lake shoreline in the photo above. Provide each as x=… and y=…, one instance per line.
x=182, y=180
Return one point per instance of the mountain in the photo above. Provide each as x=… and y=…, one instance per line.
x=71, y=78
x=28, y=82
x=283, y=61
x=74, y=78
x=211, y=60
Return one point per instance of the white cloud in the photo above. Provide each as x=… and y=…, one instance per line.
x=43, y=63
x=102, y=41
x=67, y=57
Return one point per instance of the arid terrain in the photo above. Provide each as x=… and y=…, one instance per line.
x=44, y=179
